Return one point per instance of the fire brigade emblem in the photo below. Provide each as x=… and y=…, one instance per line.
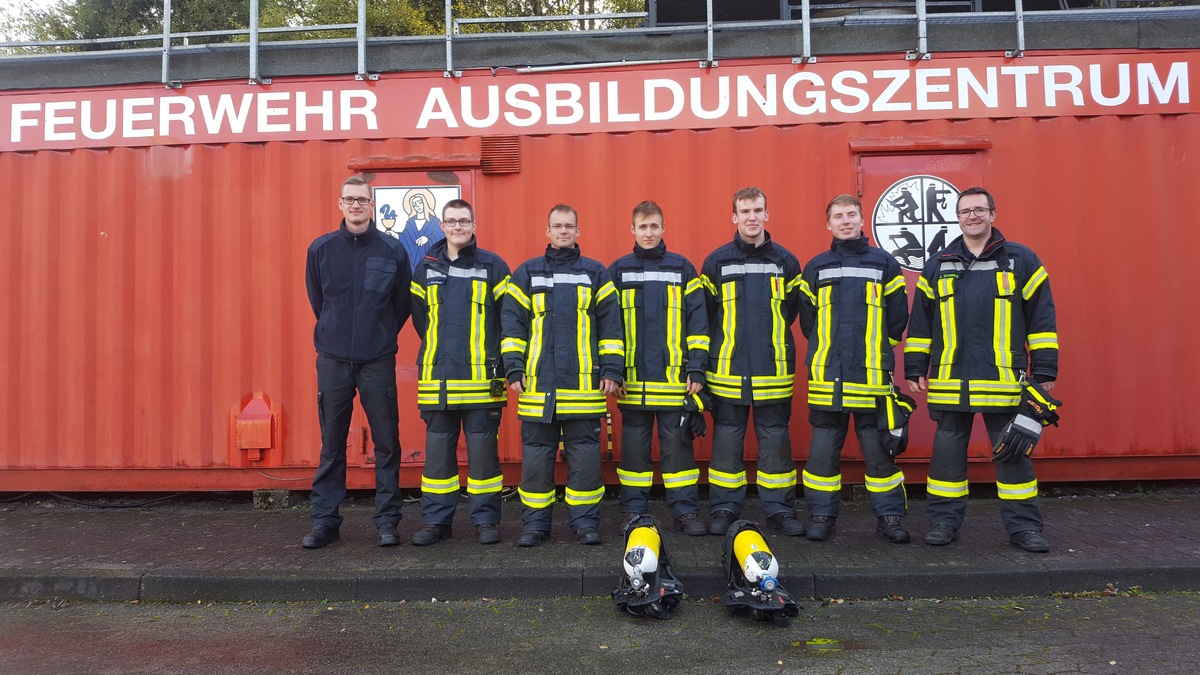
x=915, y=219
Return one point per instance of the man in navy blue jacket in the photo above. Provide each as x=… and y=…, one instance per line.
x=358, y=285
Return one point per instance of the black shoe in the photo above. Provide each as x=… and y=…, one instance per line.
x=388, y=536
x=532, y=538
x=487, y=533
x=691, y=524
x=1030, y=540
x=721, y=520
x=320, y=537
x=941, y=534
x=889, y=528
x=430, y=534
x=588, y=536
x=787, y=523
x=821, y=528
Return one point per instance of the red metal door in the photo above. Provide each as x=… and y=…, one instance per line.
x=908, y=205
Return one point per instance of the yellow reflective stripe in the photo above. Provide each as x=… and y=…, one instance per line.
x=896, y=284
x=580, y=402
x=439, y=486
x=951, y=489
x=884, y=484
x=515, y=292
x=776, y=481
x=822, y=483
x=949, y=327
x=1002, y=337
x=681, y=479
x=1017, y=491
x=486, y=485
x=944, y=392
x=629, y=306
x=479, y=293
x=583, y=332
x=692, y=286
x=612, y=347
x=729, y=481
x=794, y=283
x=638, y=479
x=674, y=335
x=1042, y=341
x=728, y=327
x=873, y=336
x=807, y=291
x=723, y=386
x=821, y=393
x=513, y=344
x=779, y=324
x=606, y=290
x=458, y=392
x=501, y=288
x=700, y=342
x=892, y=342
x=708, y=285
x=584, y=497
x=924, y=287
x=918, y=345
x=1036, y=280
x=431, y=333
x=824, y=332
x=536, y=500
x=417, y=289
x=537, y=335
x=531, y=404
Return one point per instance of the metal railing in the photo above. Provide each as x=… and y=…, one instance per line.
x=897, y=11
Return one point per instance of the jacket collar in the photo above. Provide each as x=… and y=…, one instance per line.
x=746, y=247
x=369, y=235
x=850, y=246
x=958, y=248
x=562, y=255
x=466, y=254
x=655, y=253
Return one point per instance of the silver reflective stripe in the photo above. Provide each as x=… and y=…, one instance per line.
x=950, y=265
x=751, y=268
x=984, y=265
x=431, y=273
x=856, y=272
x=549, y=282
x=669, y=277
x=473, y=273
x=1028, y=424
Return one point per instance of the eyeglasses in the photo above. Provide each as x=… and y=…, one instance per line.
x=980, y=211
x=455, y=222
x=361, y=201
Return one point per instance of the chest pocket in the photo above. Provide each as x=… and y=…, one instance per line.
x=380, y=275
x=946, y=287
x=1006, y=285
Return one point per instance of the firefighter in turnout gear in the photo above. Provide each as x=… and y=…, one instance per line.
x=982, y=319
x=853, y=311
x=563, y=353
x=666, y=352
x=753, y=296
x=457, y=290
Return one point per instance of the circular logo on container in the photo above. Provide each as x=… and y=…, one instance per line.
x=915, y=219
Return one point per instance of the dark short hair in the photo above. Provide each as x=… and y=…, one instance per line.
x=458, y=204
x=977, y=191
x=562, y=208
x=646, y=209
x=842, y=200
x=746, y=194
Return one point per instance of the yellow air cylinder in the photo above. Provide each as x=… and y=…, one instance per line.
x=758, y=564
x=641, y=553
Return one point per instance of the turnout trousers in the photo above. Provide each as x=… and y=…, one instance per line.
x=439, y=478
x=581, y=447
x=947, y=488
x=375, y=383
x=676, y=455
x=822, y=475
x=776, y=467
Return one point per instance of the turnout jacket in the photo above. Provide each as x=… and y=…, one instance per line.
x=753, y=296
x=562, y=331
x=853, y=310
x=358, y=289
x=456, y=311
x=665, y=323
x=973, y=318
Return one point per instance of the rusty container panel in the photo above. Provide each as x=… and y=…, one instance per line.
x=154, y=290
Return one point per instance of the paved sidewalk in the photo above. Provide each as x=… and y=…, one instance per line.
x=190, y=552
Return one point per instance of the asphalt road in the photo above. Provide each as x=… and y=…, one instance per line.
x=1153, y=633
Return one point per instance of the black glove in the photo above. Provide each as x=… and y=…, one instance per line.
x=692, y=416
x=892, y=413
x=1022, y=433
